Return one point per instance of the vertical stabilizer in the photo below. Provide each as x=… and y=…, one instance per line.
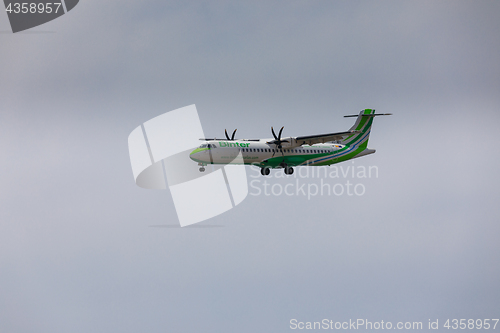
x=363, y=123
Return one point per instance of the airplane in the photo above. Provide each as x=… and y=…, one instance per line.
x=287, y=153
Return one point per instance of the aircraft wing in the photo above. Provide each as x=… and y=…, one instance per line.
x=322, y=138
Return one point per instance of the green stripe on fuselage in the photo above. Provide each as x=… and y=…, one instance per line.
x=197, y=150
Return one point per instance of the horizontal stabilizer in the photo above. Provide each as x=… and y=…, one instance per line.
x=369, y=115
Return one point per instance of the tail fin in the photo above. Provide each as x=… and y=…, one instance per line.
x=364, y=124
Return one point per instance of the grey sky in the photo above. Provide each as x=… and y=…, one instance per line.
x=77, y=250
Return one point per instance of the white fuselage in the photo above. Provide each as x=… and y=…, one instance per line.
x=255, y=152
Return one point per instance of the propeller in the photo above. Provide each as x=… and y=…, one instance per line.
x=277, y=140
x=232, y=136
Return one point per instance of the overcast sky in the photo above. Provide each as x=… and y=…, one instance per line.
x=83, y=249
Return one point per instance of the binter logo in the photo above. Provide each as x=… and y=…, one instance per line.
x=233, y=144
x=26, y=14
x=160, y=156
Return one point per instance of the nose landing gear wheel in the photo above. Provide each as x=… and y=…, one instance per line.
x=288, y=170
x=265, y=171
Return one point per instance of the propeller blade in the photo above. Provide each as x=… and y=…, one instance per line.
x=232, y=137
x=227, y=136
x=274, y=134
x=279, y=135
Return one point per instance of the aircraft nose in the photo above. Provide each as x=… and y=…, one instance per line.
x=198, y=154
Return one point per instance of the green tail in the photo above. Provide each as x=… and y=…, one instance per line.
x=364, y=124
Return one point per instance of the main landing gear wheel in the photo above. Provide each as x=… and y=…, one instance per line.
x=202, y=169
x=265, y=171
x=288, y=170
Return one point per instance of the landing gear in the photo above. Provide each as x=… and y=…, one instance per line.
x=202, y=169
x=288, y=170
x=265, y=171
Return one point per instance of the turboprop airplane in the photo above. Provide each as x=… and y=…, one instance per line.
x=289, y=152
